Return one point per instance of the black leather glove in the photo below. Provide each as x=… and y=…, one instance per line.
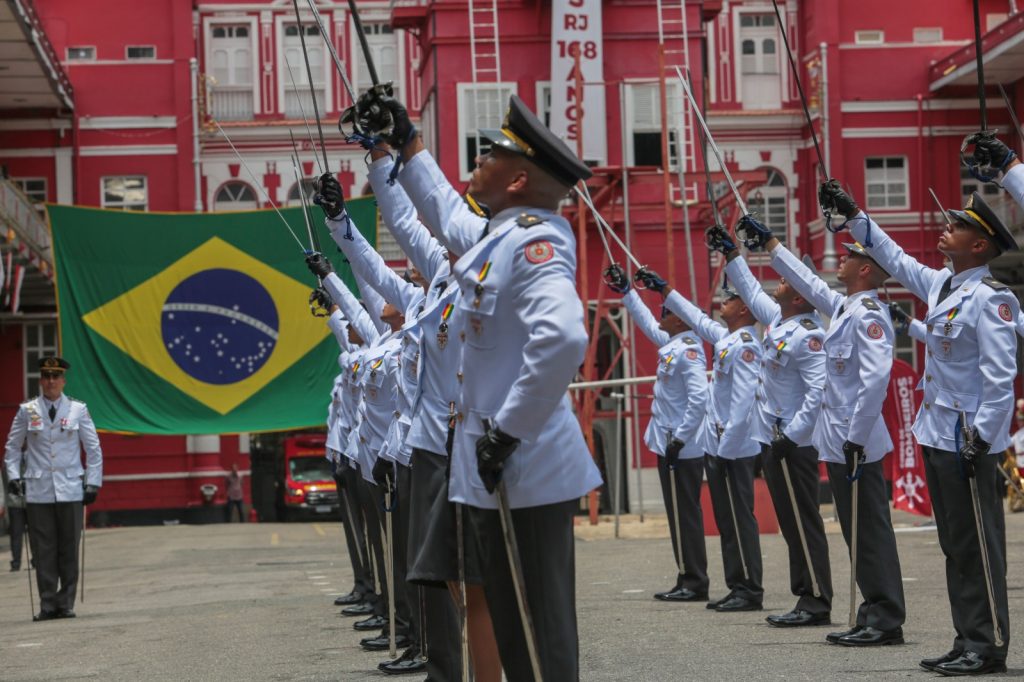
x=672, y=450
x=329, y=196
x=783, y=446
x=90, y=494
x=383, y=471
x=318, y=265
x=974, y=446
x=719, y=239
x=990, y=150
x=900, y=320
x=834, y=198
x=16, y=487
x=616, y=279
x=320, y=297
x=492, y=449
x=855, y=457
x=757, y=233
x=650, y=279
x=402, y=131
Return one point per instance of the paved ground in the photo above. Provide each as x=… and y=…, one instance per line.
x=252, y=602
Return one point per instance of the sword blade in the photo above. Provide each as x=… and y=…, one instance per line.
x=518, y=579
x=309, y=77
x=357, y=22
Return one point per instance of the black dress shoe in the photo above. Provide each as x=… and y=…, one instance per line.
x=869, y=636
x=798, y=618
x=363, y=609
x=410, y=662
x=681, y=594
x=66, y=613
x=371, y=623
x=712, y=605
x=737, y=604
x=834, y=637
x=15, y=567
x=382, y=642
x=352, y=597
x=970, y=663
x=45, y=615
x=930, y=663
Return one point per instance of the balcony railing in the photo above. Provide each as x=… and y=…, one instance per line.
x=18, y=213
x=231, y=103
x=300, y=104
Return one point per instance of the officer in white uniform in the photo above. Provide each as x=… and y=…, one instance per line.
x=523, y=337
x=969, y=376
x=677, y=412
x=788, y=400
x=850, y=434
x=50, y=432
x=726, y=437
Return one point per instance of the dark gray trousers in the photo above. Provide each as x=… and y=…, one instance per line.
x=688, y=477
x=548, y=554
x=54, y=532
x=346, y=478
x=958, y=537
x=803, y=472
x=17, y=518
x=743, y=531
x=370, y=504
x=878, y=564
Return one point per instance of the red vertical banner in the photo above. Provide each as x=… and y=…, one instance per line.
x=906, y=463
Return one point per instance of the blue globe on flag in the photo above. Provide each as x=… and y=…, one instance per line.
x=219, y=326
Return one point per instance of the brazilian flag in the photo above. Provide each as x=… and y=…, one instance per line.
x=195, y=323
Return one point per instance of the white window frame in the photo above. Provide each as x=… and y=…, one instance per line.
x=32, y=369
x=21, y=182
x=68, y=57
x=461, y=89
x=427, y=118
x=987, y=190
x=284, y=83
x=542, y=90
x=122, y=206
x=309, y=183
x=926, y=35
x=358, y=58
x=737, y=57
x=869, y=37
x=139, y=47
x=769, y=192
x=672, y=92
x=241, y=205
x=209, y=23
x=906, y=184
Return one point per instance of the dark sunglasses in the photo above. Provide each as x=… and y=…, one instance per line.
x=665, y=312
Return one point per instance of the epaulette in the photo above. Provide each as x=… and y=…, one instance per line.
x=745, y=336
x=689, y=340
x=870, y=303
x=528, y=220
x=994, y=283
x=808, y=323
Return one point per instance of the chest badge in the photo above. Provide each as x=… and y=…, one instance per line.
x=950, y=316
x=442, y=330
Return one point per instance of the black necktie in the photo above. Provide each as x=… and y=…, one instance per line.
x=53, y=412
x=946, y=287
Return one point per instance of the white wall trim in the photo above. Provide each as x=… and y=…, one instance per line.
x=903, y=45
x=124, y=122
x=35, y=124
x=880, y=106
x=64, y=173
x=28, y=153
x=172, y=475
x=907, y=131
x=130, y=150
x=116, y=62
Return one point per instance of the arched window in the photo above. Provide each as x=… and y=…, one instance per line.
x=308, y=187
x=235, y=195
x=768, y=202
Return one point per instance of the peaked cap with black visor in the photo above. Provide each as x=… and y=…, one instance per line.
x=978, y=214
x=524, y=134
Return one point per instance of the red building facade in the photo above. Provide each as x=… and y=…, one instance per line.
x=891, y=89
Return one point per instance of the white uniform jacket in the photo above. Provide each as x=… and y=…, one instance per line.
x=792, y=377
x=53, y=451
x=523, y=339
x=1013, y=182
x=681, y=389
x=727, y=428
x=858, y=352
x=440, y=207
x=961, y=373
x=353, y=404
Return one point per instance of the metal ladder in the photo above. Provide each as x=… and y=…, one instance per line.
x=485, y=57
x=672, y=37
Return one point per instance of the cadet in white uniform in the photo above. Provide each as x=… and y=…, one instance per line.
x=677, y=412
x=969, y=375
x=850, y=434
x=523, y=338
x=726, y=438
x=49, y=433
x=788, y=400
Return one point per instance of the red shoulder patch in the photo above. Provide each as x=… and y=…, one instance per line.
x=875, y=331
x=748, y=355
x=539, y=252
x=814, y=343
x=1004, y=312
x=691, y=355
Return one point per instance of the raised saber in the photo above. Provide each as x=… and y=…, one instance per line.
x=460, y=549
x=799, y=522
x=515, y=565
x=367, y=55
x=302, y=111
x=938, y=203
x=981, y=66
x=982, y=540
x=309, y=77
x=28, y=555
x=601, y=223
x=81, y=573
x=1013, y=114
x=338, y=64
x=390, y=571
